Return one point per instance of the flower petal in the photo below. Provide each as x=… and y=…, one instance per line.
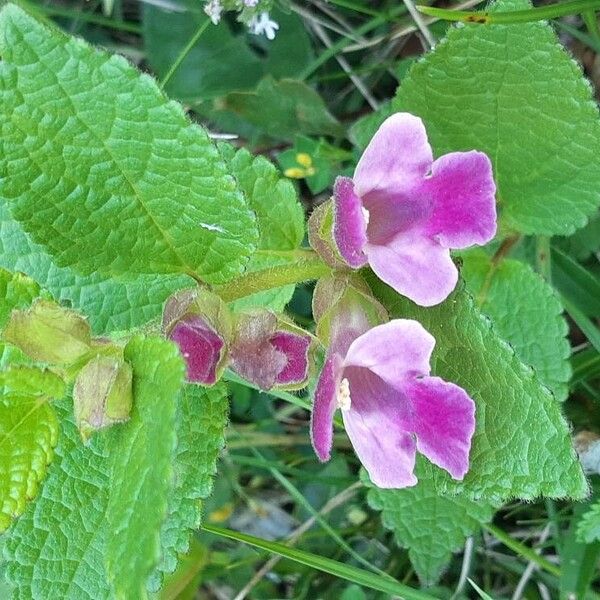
x=295, y=348
x=443, y=419
x=462, y=194
x=396, y=159
x=325, y=404
x=415, y=266
x=349, y=224
x=394, y=351
x=375, y=425
x=201, y=348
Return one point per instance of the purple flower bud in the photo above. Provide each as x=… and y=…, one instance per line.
x=200, y=324
x=269, y=351
x=201, y=347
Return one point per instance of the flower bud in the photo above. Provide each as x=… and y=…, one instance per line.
x=47, y=332
x=270, y=351
x=102, y=394
x=344, y=308
x=200, y=324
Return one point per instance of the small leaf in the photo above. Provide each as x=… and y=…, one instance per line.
x=431, y=526
x=200, y=425
x=111, y=157
x=28, y=434
x=526, y=313
x=16, y=291
x=24, y=379
x=522, y=445
x=513, y=92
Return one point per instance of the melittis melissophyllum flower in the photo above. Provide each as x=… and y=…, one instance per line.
x=402, y=211
x=270, y=351
x=379, y=377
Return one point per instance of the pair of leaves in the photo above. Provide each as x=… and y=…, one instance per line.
x=95, y=161
x=109, y=512
x=513, y=92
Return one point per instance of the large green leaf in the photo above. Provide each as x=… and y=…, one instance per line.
x=110, y=303
x=103, y=170
x=431, y=526
x=279, y=215
x=94, y=531
x=522, y=446
x=221, y=60
x=526, y=313
x=28, y=434
x=201, y=420
x=513, y=92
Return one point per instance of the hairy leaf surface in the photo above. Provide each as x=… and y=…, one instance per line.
x=104, y=171
x=526, y=313
x=513, y=92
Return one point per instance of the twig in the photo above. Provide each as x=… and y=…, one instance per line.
x=418, y=19
x=531, y=567
x=336, y=501
x=464, y=570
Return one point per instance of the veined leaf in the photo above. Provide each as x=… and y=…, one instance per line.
x=95, y=162
x=513, y=92
x=94, y=531
x=522, y=446
x=526, y=312
x=431, y=526
x=200, y=427
x=110, y=303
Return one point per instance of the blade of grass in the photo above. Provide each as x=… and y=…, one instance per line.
x=321, y=563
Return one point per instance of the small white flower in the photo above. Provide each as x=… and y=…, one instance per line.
x=262, y=24
x=250, y=3
x=213, y=9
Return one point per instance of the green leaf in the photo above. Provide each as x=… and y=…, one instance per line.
x=221, y=60
x=522, y=446
x=280, y=219
x=94, y=532
x=283, y=108
x=95, y=161
x=431, y=526
x=526, y=313
x=200, y=427
x=28, y=434
x=513, y=92
x=583, y=242
x=588, y=526
x=110, y=303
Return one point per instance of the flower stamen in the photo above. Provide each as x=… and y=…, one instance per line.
x=344, y=402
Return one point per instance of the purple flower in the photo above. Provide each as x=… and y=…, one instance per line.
x=391, y=406
x=403, y=211
x=201, y=347
x=268, y=354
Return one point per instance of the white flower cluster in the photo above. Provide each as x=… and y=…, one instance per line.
x=259, y=24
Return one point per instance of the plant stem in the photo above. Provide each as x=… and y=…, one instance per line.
x=308, y=266
x=185, y=52
x=539, y=13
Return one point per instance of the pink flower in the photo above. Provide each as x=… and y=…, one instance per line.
x=391, y=406
x=403, y=211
